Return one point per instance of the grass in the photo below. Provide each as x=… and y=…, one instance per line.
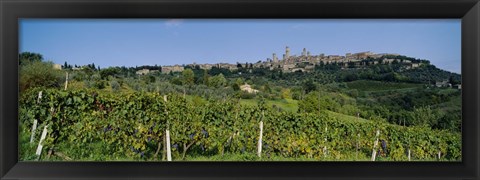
x=26, y=149
x=269, y=158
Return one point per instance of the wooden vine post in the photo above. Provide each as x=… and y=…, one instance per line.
x=35, y=122
x=39, y=96
x=40, y=145
x=325, y=143
x=374, y=153
x=358, y=144
x=408, y=149
x=167, y=136
x=34, y=129
x=409, y=154
x=235, y=132
x=259, y=146
x=169, y=152
x=66, y=81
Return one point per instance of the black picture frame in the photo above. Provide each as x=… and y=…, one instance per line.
x=467, y=10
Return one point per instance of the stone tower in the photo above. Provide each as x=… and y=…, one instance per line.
x=287, y=52
x=275, y=59
x=304, y=52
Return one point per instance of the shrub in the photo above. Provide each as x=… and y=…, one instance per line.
x=115, y=86
x=40, y=74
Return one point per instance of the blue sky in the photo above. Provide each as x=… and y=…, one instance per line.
x=136, y=42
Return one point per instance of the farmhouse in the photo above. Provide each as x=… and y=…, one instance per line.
x=443, y=83
x=57, y=66
x=248, y=89
x=143, y=72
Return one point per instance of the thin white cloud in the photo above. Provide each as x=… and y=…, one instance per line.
x=297, y=26
x=174, y=22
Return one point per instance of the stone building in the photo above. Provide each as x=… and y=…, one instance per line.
x=288, y=67
x=246, y=87
x=206, y=66
x=362, y=55
x=168, y=69
x=388, y=61
x=57, y=66
x=228, y=66
x=443, y=83
x=297, y=69
x=415, y=65
x=143, y=72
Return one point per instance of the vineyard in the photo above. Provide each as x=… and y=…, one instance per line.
x=88, y=125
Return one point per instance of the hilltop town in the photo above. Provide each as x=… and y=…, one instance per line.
x=304, y=62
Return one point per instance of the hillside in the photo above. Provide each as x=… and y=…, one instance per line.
x=117, y=114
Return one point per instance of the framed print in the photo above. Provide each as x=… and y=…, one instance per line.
x=251, y=89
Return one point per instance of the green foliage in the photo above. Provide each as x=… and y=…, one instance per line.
x=176, y=81
x=367, y=85
x=95, y=81
x=239, y=81
x=115, y=86
x=29, y=57
x=205, y=77
x=425, y=116
x=39, y=74
x=331, y=113
x=286, y=93
x=217, y=81
x=313, y=102
x=88, y=125
x=188, y=77
x=309, y=86
x=111, y=71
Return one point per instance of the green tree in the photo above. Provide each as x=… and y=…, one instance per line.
x=311, y=103
x=205, y=77
x=316, y=102
x=111, y=71
x=39, y=74
x=176, y=80
x=28, y=57
x=217, y=81
x=115, y=86
x=286, y=93
x=188, y=77
x=309, y=86
x=239, y=81
x=235, y=87
x=424, y=116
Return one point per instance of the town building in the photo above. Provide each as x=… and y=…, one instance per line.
x=305, y=62
x=168, y=69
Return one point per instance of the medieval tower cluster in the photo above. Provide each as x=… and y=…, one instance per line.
x=304, y=62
